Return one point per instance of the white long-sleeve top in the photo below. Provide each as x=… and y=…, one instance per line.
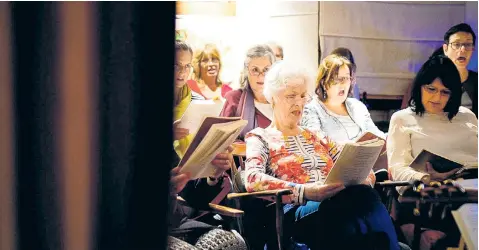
x=409, y=134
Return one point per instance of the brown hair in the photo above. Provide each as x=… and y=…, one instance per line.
x=328, y=70
x=207, y=51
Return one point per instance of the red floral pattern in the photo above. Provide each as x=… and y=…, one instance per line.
x=272, y=164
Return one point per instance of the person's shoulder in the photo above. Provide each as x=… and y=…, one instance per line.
x=403, y=114
x=314, y=104
x=226, y=86
x=355, y=102
x=256, y=132
x=465, y=112
x=233, y=95
x=356, y=105
x=191, y=83
x=473, y=74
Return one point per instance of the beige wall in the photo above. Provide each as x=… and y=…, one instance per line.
x=294, y=25
x=390, y=40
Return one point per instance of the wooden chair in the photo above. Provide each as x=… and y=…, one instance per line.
x=215, y=208
x=276, y=195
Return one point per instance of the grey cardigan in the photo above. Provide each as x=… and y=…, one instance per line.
x=317, y=118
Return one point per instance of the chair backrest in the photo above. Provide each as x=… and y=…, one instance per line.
x=237, y=175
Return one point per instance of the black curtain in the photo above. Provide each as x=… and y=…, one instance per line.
x=136, y=103
x=135, y=43
x=34, y=33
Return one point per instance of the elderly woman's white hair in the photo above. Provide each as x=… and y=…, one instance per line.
x=279, y=74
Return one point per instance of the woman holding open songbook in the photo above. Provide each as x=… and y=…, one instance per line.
x=341, y=118
x=434, y=121
x=285, y=155
x=184, y=232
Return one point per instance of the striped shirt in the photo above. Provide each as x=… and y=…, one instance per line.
x=274, y=161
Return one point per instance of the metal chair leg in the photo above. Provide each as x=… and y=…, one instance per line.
x=279, y=221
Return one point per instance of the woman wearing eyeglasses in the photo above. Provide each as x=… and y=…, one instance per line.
x=206, y=69
x=249, y=102
x=286, y=155
x=341, y=118
x=434, y=121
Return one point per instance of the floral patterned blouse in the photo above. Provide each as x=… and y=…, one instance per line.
x=274, y=161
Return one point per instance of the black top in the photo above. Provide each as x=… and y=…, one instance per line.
x=470, y=86
x=197, y=193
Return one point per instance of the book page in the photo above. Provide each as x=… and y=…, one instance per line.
x=466, y=220
x=354, y=163
x=217, y=139
x=206, y=125
x=467, y=183
x=197, y=111
x=367, y=136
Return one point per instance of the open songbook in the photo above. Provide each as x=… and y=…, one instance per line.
x=440, y=163
x=213, y=137
x=355, y=162
x=466, y=220
x=197, y=111
x=382, y=161
x=367, y=136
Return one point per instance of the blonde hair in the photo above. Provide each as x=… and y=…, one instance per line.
x=328, y=70
x=210, y=50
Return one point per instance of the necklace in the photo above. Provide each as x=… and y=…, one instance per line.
x=340, y=123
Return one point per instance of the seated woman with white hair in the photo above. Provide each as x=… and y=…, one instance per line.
x=285, y=155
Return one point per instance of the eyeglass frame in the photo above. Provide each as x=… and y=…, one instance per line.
x=336, y=82
x=293, y=100
x=187, y=67
x=455, y=44
x=263, y=72
x=426, y=87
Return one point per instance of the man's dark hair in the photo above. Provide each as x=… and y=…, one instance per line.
x=462, y=27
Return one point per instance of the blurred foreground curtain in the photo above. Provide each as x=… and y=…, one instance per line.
x=90, y=124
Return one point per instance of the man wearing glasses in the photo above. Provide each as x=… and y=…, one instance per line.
x=459, y=44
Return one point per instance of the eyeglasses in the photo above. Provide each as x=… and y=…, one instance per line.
x=342, y=80
x=256, y=71
x=180, y=68
x=467, y=46
x=293, y=99
x=433, y=90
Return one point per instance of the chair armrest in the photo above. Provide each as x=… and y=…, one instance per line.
x=394, y=183
x=226, y=211
x=261, y=193
x=219, y=209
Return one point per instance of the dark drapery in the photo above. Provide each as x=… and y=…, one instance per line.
x=34, y=33
x=133, y=112
x=136, y=67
